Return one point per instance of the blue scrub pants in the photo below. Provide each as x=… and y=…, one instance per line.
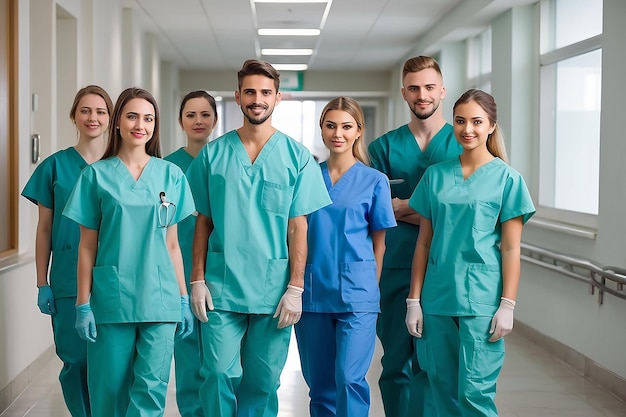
x=129, y=368
x=462, y=364
x=404, y=386
x=187, y=367
x=72, y=350
x=336, y=351
x=243, y=356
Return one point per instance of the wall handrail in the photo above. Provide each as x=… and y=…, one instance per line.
x=609, y=279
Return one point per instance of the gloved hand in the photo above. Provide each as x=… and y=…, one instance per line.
x=201, y=300
x=45, y=300
x=502, y=321
x=185, y=327
x=85, y=323
x=289, y=307
x=414, y=319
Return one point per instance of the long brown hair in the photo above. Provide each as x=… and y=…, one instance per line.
x=495, y=141
x=153, y=146
x=353, y=108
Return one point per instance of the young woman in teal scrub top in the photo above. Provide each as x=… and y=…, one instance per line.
x=341, y=301
x=197, y=117
x=131, y=284
x=57, y=237
x=466, y=266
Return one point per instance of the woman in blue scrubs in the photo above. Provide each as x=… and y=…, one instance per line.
x=337, y=331
x=466, y=266
x=197, y=117
x=57, y=237
x=130, y=269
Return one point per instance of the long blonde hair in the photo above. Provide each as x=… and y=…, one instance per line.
x=352, y=107
x=495, y=141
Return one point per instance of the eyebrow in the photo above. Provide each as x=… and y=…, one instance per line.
x=137, y=114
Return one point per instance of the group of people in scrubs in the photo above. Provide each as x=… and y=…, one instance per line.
x=251, y=236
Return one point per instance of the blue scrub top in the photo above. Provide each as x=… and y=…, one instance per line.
x=133, y=278
x=397, y=155
x=186, y=227
x=341, y=269
x=464, y=270
x=247, y=267
x=51, y=185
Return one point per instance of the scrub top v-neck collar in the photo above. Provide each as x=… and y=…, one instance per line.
x=139, y=183
x=458, y=171
x=342, y=182
x=251, y=168
x=80, y=161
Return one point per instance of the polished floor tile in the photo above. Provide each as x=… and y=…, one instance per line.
x=532, y=384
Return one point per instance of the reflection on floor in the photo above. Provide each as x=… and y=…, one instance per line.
x=532, y=384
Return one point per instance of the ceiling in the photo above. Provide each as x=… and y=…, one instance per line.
x=364, y=35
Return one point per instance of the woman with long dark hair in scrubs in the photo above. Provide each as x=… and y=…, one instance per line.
x=131, y=284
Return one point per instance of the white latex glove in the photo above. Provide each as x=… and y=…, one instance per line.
x=201, y=300
x=502, y=321
x=289, y=308
x=414, y=317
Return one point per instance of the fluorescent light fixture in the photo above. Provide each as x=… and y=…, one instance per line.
x=291, y=1
x=290, y=67
x=289, y=32
x=285, y=52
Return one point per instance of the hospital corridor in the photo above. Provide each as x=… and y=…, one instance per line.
x=360, y=173
x=534, y=383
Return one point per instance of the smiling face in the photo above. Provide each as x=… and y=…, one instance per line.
x=198, y=119
x=91, y=116
x=136, y=124
x=472, y=126
x=339, y=132
x=257, y=98
x=423, y=91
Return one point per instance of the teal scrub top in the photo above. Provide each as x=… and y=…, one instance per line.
x=51, y=185
x=247, y=266
x=464, y=270
x=133, y=278
x=397, y=155
x=186, y=227
x=340, y=274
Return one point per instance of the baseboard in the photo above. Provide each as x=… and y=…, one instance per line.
x=14, y=388
x=609, y=381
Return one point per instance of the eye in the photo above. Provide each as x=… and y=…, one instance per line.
x=131, y=116
x=477, y=122
x=330, y=126
x=459, y=121
x=84, y=111
x=190, y=115
x=206, y=115
x=149, y=119
x=347, y=127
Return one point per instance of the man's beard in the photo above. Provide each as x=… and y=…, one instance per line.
x=423, y=116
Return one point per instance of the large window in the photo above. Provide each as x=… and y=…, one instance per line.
x=479, y=61
x=571, y=75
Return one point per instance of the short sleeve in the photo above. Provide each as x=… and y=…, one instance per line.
x=83, y=206
x=40, y=188
x=198, y=178
x=185, y=206
x=377, y=157
x=516, y=200
x=419, y=200
x=310, y=192
x=381, y=212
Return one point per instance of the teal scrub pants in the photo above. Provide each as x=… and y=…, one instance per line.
x=187, y=366
x=404, y=386
x=72, y=350
x=129, y=368
x=243, y=356
x=462, y=364
x=336, y=351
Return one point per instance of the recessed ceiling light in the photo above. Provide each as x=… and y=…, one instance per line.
x=290, y=67
x=289, y=32
x=292, y=52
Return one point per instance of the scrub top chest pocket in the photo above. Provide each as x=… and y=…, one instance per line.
x=276, y=198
